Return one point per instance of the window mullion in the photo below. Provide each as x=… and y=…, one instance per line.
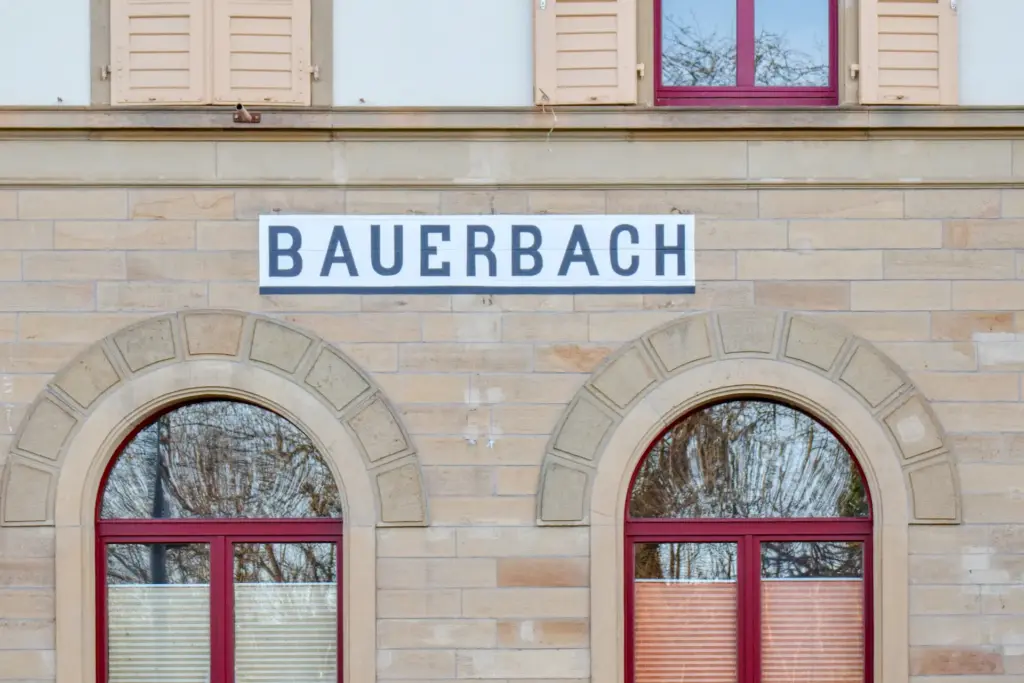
x=745, y=43
x=220, y=616
x=750, y=575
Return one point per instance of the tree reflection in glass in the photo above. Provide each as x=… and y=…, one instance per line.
x=220, y=459
x=748, y=459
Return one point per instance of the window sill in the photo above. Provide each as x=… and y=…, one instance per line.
x=612, y=121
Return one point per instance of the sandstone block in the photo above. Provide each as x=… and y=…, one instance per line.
x=182, y=204
x=913, y=428
x=213, y=334
x=830, y=204
x=682, y=343
x=567, y=201
x=934, y=492
x=418, y=604
x=461, y=327
x=584, y=429
x=626, y=326
x=955, y=661
x=72, y=204
x=869, y=375
x=465, y=358
x=484, y=510
x=818, y=345
x=540, y=572
x=46, y=430
x=704, y=203
x=103, y=235
x=544, y=327
x=415, y=664
x=747, y=331
x=150, y=296
x=250, y=204
x=27, y=494
x=563, y=494
x=396, y=202
x=751, y=234
x=471, y=202
x=809, y=265
x=26, y=234
x=147, y=343
x=69, y=265
x=582, y=358
x=462, y=572
x=459, y=480
x=900, y=296
x=517, y=481
x=22, y=603
x=953, y=203
x=940, y=264
x=803, y=296
x=436, y=633
x=524, y=664
x=523, y=542
x=88, y=377
x=626, y=378
x=525, y=603
x=535, y=633
x=27, y=665
x=878, y=234
x=377, y=431
x=336, y=380
x=277, y=345
x=401, y=494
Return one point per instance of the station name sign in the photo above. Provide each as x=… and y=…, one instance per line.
x=311, y=254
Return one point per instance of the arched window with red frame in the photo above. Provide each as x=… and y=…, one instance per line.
x=748, y=552
x=218, y=552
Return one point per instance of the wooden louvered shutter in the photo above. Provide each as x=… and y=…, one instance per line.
x=158, y=52
x=908, y=52
x=261, y=52
x=585, y=52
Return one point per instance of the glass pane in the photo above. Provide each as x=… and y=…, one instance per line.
x=220, y=459
x=698, y=43
x=684, y=612
x=748, y=459
x=286, y=612
x=812, y=612
x=791, y=46
x=158, y=613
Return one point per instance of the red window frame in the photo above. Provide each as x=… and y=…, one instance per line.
x=747, y=534
x=745, y=93
x=219, y=534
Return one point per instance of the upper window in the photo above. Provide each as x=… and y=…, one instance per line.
x=219, y=535
x=746, y=52
x=749, y=531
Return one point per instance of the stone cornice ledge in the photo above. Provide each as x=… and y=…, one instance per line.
x=843, y=122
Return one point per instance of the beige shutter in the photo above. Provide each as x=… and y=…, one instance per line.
x=158, y=51
x=585, y=51
x=908, y=52
x=261, y=52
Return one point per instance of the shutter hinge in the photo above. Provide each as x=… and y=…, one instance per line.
x=105, y=73
x=315, y=71
x=640, y=70
x=854, y=70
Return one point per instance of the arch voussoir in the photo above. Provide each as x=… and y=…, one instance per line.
x=251, y=344
x=619, y=388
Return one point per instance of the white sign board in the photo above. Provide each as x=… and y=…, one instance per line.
x=309, y=254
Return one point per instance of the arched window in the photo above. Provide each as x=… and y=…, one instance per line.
x=748, y=534
x=219, y=533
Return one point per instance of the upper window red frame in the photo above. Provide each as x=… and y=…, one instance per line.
x=220, y=534
x=745, y=93
x=747, y=534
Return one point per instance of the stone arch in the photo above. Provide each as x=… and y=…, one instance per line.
x=852, y=365
x=251, y=345
x=73, y=429
x=827, y=372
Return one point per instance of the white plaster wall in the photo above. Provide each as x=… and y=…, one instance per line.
x=991, y=51
x=433, y=53
x=44, y=49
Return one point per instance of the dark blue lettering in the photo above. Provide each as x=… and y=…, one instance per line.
x=662, y=250
x=426, y=250
x=519, y=251
x=577, y=242
x=487, y=250
x=276, y=251
x=634, y=262
x=396, y=263
x=338, y=251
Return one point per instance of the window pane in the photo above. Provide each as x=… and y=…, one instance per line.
x=748, y=459
x=286, y=612
x=812, y=612
x=791, y=43
x=220, y=459
x=158, y=613
x=698, y=43
x=684, y=613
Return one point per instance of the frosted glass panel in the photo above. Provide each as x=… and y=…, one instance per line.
x=158, y=613
x=286, y=612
